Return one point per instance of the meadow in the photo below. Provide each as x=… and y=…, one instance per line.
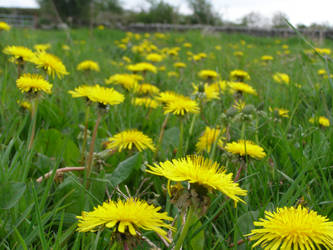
x=209, y=96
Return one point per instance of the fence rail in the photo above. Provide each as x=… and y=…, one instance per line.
x=19, y=20
x=318, y=34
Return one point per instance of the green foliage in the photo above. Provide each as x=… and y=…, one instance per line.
x=203, y=12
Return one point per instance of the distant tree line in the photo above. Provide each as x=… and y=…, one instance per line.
x=108, y=12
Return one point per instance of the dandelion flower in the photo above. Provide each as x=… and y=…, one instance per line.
x=146, y=102
x=293, y=228
x=167, y=96
x=51, y=64
x=4, y=26
x=239, y=75
x=42, y=47
x=173, y=74
x=281, y=112
x=266, y=58
x=127, y=216
x=33, y=83
x=129, y=138
x=154, y=57
x=81, y=91
x=142, y=67
x=24, y=105
x=245, y=147
x=242, y=88
x=127, y=81
x=148, y=89
x=210, y=91
x=208, y=74
x=179, y=65
x=321, y=120
x=281, y=78
x=19, y=53
x=88, y=65
x=105, y=96
x=181, y=106
x=197, y=169
x=207, y=139
x=323, y=51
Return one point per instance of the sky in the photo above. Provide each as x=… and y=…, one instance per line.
x=298, y=11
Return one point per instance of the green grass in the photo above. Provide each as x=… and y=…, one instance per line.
x=298, y=165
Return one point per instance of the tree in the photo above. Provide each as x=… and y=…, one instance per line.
x=203, y=12
x=279, y=20
x=253, y=19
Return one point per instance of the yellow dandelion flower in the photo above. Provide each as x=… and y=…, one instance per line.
x=4, y=26
x=208, y=74
x=245, y=147
x=207, y=139
x=321, y=120
x=148, y=89
x=293, y=228
x=179, y=65
x=162, y=68
x=173, y=74
x=65, y=47
x=323, y=51
x=126, y=59
x=242, y=87
x=197, y=169
x=100, y=27
x=239, y=105
x=129, y=139
x=51, y=64
x=181, y=106
x=167, y=96
x=218, y=47
x=154, y=57
x=142, y=67
x=281, y=112
x=81, y=91
x=266, y=58
x=187, y=45
x=88, y=65
x=127, y=81
x=281, y=78
x=33, y=83
x=127, y=216
x=19, y=53
x=105, y=96
x=42, y=47
x=239, y=75
x=238, y=53
x=211, y=91
x=146, y=102
x=24, y=105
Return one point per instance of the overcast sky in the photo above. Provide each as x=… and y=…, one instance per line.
x=298, y=11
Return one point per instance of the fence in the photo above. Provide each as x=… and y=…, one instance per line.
x=316, y=34
x=19, y=20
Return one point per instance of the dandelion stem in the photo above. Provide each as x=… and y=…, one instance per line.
x=186, y=227
x=181, y=138
x=85, y=133
x=160, y=139
x=190, y=132
x=33, y=122
x=92, y=145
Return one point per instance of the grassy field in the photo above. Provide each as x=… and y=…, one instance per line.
x=296, y=170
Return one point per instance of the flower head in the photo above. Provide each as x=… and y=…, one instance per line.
x=239, y=75
x=129, y=138
x=148, y=89
x=88, y=65
x=19, y=53
x=281, y=78
x=33, y=83
x=154, y=57
x=128, y=216
x=42, y=47
x=281, y=112
x=105, y=96
x=51, y=64
x=146, y=102
x=127, y=81
x=4, y=26
x=179, y=65
x=242, y=87
x=81, y=91
x=25, y=105
x=245, y=147
x=207, y=139
x=293, y=228
x=181, y=106
x=211, y=91
x=197, y=169
x=142, y=67
x=208, y=74
x=321, y=120
x=266, y=58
